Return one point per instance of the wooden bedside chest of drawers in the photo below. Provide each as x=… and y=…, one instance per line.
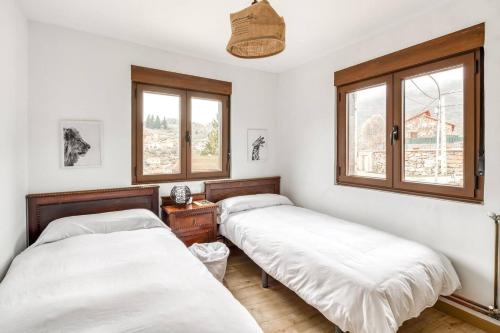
x=191, y=223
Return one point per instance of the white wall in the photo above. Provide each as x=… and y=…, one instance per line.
x=13, y=111
x=307, y=126
x=75, y=75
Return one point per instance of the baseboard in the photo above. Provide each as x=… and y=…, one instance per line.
x=480, y=321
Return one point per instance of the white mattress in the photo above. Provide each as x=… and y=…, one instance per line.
x=128, y=281
x=361, y=279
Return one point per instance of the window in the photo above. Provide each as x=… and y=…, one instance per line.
x=178, y=134
x=367, y=115
x=415, y=129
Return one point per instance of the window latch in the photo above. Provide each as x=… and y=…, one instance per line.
x=188, y=137
x=480, y=165
x=394, y=134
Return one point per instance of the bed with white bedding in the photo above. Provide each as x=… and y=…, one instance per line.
x=361, y=279
x=115, y=272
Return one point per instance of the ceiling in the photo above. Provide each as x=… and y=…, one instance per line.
x=201, y=28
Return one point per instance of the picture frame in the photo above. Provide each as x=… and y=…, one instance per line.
x=80, y=144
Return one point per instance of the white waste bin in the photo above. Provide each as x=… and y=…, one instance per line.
x=213, y=255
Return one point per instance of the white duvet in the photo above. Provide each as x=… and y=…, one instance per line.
x=143, y=280
x=361, y=279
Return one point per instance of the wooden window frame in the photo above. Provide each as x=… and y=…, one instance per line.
x=224, y=173
x=342, y=133
x=468, y=189
x=460, y=48
x=140, y=177
x=185, y=86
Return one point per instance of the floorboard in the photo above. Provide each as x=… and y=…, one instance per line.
x=278, y=309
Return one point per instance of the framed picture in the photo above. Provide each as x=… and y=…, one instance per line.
x=81, y=143
x=257, y=144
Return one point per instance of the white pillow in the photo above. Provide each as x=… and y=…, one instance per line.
x=247, y=202
x=124, y=220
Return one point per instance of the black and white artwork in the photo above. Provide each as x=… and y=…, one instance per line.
x=257, y=144
x=81, y=143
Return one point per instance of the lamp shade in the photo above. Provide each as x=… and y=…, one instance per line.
x=257, y=32
x=180, y=195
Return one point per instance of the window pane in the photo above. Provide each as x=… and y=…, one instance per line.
x=366, y=142
x=206, y=120
x=434, y=128
x=161, y=134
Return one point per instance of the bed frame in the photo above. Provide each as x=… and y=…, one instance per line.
x=46, y=207
x=221, y=189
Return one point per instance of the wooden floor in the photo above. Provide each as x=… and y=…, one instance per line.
x=278, y=309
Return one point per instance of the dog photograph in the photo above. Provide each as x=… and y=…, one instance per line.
x=80, y=143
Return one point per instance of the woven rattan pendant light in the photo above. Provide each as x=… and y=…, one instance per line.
x=257, y=32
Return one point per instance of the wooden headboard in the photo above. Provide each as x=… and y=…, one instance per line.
x=221, y=189
x=46, y=207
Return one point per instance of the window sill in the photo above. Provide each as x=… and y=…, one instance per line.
x=179, y=180
x=479, y=200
